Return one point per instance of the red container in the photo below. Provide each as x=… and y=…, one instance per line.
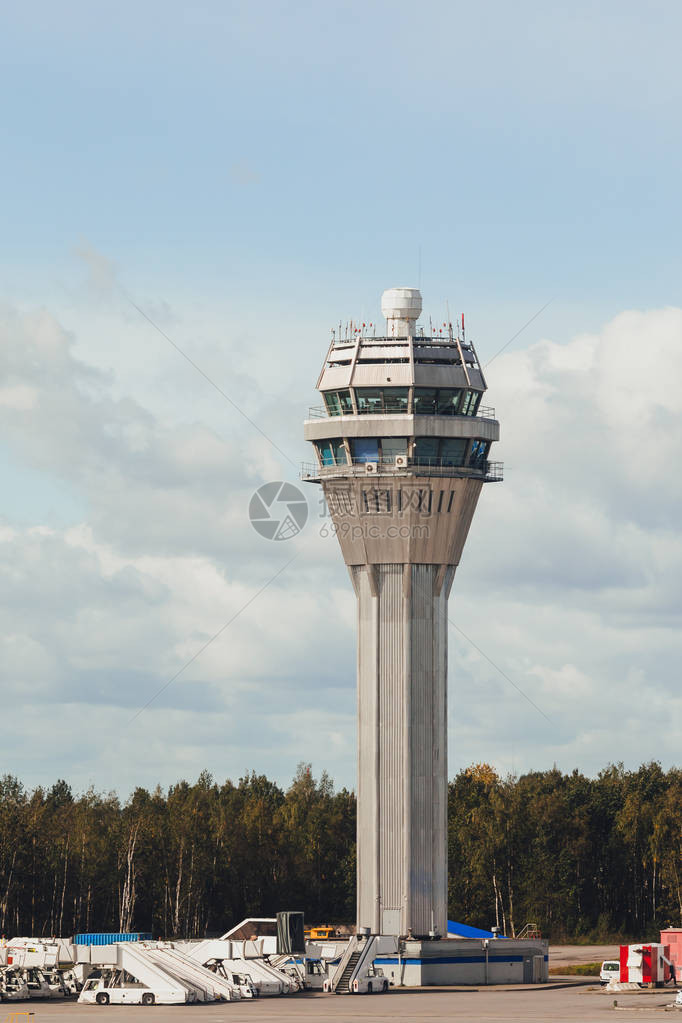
x=673, y=936
x=644, y=964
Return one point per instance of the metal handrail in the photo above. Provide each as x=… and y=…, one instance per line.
x=491, y=471
x=442, y=339
x=321, y=412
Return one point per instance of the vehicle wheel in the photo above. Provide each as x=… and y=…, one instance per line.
x=148, y=998
x=369, y=988
x=102, y=998
x=385, y=987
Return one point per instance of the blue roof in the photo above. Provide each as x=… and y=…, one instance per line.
x=456, y=930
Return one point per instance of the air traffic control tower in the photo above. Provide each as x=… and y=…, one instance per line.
x=402, y=449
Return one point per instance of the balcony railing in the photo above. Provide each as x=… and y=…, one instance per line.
x=491, y=472
x=440, y=340
x=439, y=337
x=320, y=412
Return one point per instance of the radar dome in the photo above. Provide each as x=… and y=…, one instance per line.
x=401, y=304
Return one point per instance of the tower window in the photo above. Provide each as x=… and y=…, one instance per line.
x=339, y=451
x=338, y=402
x=378, y=400
x=478, y=453
x=447, y=402
x=362, y=361
x=369, y=399
x=395, y=399
x=324, y=450
x=332, y=451
x=365, y=449
x=470, y=403
x=425, y=401
x=452, y=450
x=391, y=447
x=426, y=450
x=442, y=401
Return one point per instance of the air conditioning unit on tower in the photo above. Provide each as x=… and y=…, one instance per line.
x=400, y=461
x=371, y=467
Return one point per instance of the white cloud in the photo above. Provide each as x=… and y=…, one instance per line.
x=574, y=562
x=20, y=397
x=570, y=581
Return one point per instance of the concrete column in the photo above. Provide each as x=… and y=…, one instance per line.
x=402, y=769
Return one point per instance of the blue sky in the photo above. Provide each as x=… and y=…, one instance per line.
x=530, y=151
x=250, y=174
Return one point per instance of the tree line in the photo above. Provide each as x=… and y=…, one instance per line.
x=582, y=858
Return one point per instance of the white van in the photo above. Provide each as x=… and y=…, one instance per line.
x=610, y=970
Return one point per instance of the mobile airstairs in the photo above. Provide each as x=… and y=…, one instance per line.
x=28, y=970
x=151, y=973
x=210, y=986
x=231, y=960
x=356, y=973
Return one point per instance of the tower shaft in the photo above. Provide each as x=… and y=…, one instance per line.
x=402, y=748
x=402, y=537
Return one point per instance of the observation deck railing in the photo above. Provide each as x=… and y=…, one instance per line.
x=490, y=472
x=437, y=337
x=321, y=412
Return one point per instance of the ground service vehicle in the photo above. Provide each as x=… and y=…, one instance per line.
x=610, y=970
x=369, y=982
x=318, y=933
x=116, y=987
x=243, y=984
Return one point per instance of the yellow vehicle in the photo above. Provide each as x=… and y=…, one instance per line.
x=318, y=933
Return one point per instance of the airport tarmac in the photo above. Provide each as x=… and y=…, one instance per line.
x=571, y=955
x=564, y=1000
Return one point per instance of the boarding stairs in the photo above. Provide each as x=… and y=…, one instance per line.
x=343, y=985
x=358, y=956
x=209, y=986
x=279, y=961
x=266, y=979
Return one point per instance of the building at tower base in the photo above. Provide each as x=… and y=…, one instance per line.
x=466, y=961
